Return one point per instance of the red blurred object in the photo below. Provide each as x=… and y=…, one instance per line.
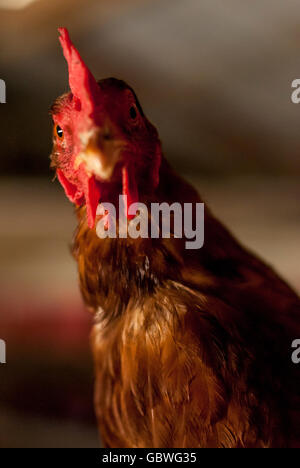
x=48, y=355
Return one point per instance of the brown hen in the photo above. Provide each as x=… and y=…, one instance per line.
x=192, y=348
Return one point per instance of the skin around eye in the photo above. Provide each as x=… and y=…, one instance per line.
x=59, y=132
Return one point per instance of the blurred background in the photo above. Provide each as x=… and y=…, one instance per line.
x=215, y=77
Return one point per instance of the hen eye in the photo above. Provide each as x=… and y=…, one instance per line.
x=133, y=113
x=59, y=131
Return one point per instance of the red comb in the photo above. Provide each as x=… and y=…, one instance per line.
x=82, y=83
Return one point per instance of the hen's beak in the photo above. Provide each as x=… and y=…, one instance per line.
x=96, y=163
x=100, y=154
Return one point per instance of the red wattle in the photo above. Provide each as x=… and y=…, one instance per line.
x=92, y=194
x=88, y=194
x=129, y=188
x=71, y=190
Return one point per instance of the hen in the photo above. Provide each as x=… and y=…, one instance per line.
x=192, y=348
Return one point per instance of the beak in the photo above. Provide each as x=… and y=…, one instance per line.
x=100, y=154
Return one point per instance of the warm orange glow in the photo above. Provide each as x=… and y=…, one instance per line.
x=15, y=4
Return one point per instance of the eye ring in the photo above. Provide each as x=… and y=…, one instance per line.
x=133, y=112
x=59, y=132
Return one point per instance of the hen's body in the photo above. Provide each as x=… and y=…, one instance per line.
x=192, y=348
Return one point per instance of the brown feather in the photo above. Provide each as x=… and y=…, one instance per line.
x=191, y=349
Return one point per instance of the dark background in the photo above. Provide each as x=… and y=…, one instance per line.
x=215, y=77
